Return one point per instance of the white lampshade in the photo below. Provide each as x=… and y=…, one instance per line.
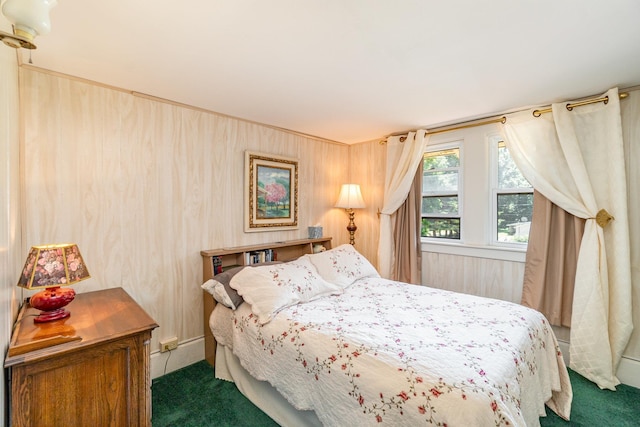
x=30, y=18
x=350, y=197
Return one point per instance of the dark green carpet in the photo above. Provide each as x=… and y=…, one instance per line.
x=594, y=407
x=192, y=396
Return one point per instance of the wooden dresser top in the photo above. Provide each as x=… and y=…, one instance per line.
x=96, y=317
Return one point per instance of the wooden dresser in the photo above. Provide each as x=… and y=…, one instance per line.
x=96, y=374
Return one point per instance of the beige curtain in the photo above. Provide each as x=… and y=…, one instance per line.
x=576, y=159
x=631, y=137
x=406, y=235
x=552, y=256
x=404, y=154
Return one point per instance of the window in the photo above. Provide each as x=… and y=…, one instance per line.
x=440, y=194
x=513, y=200
x=475, y=201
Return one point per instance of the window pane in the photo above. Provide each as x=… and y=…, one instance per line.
x=441, y=228
x=509, y=175
x=440, y=198
x=443, y=159
x=437, y=181
x=440, y=205
x=440, y=171
x=514, y=217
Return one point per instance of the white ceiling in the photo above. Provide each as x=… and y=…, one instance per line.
x=349, y=70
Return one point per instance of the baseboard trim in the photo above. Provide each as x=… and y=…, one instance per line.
x=628, y=370
x=187, y=353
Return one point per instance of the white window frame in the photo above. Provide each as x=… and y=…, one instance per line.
x=444, y=147
x=475, y=197
x=494, y=141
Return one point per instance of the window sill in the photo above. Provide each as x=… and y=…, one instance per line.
x=476, y=251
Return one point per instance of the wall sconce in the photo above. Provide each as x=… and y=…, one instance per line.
x=30, y=18
x=350, y=198
x=48, y=267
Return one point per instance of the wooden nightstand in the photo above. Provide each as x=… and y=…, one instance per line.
x=99, y=377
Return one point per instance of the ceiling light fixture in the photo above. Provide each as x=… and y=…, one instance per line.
x=30, y=18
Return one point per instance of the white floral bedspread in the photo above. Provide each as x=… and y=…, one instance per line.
x=386, y=352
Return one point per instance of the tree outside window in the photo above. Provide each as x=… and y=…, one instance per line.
x=514, y=200
x=440, y=198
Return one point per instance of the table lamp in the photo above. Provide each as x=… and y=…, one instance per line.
x=350, y=198
x=48, y=267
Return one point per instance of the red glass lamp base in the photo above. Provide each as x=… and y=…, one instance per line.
x=48, y=316
x=51, y=301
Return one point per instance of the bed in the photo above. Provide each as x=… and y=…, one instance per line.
x=323, y=340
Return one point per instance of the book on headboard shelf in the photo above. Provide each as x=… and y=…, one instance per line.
x=217, y=265
x=258, y=257
x=215, y=261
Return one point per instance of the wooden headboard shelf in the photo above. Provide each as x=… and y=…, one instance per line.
x=228, y=257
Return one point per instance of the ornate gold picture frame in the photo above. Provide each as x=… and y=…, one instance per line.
x=271, y=192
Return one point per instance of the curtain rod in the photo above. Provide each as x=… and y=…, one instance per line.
x=605, y=99
x=503, y=119
x=450, y=128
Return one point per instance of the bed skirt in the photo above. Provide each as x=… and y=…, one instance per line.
x=261, y=393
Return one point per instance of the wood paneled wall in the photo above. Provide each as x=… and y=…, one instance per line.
x=143, y=185
x=367, y=163
x=485, y=277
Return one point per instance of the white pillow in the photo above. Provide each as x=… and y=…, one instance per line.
x=271, y=288
x=342, y=265
x=217, y=290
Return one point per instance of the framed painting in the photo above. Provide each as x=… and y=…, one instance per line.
x=271, y=192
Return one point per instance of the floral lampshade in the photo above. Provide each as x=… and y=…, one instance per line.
x=48, y=267
x=53, y=265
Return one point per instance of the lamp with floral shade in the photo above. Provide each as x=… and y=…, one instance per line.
x=48, y=267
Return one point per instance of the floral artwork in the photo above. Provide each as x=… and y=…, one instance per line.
x=271, y=199
x=274, y=190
